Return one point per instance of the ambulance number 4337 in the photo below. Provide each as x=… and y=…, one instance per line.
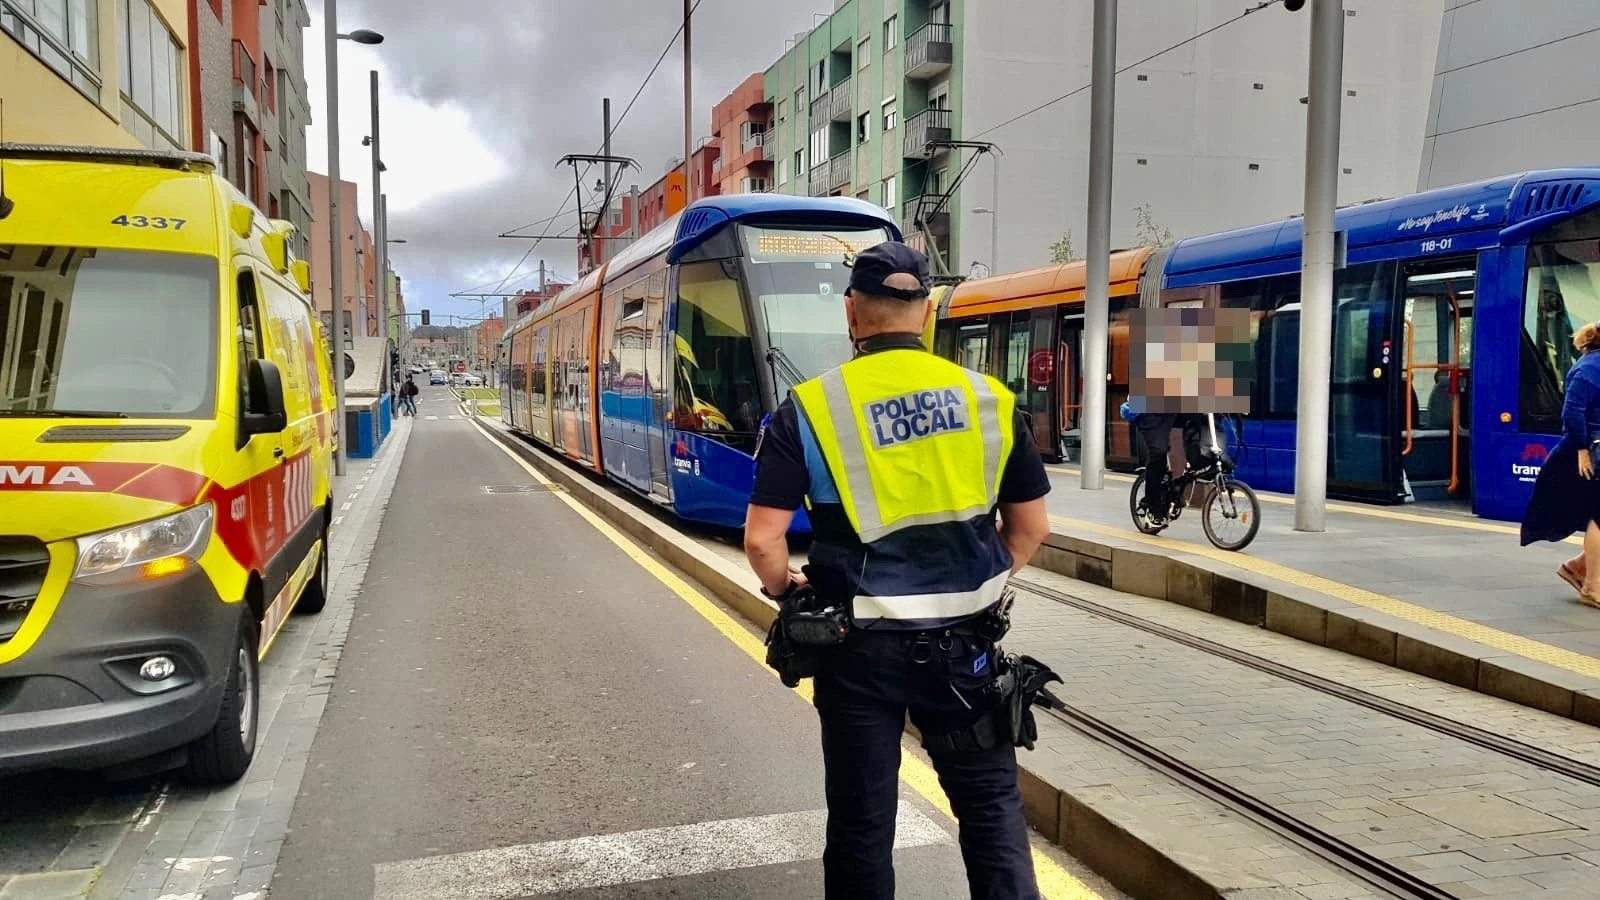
x=157, y=222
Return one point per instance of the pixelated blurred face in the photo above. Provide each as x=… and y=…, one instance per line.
x=1190, y=360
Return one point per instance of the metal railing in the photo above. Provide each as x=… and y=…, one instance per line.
x=930, y=48
x=839, y=171
x=753, y=141
x=924, y=127
x=841, y=101
x=820, y=176
x=244, y=69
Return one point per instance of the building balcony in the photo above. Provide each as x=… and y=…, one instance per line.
x=930, y=51
x=841, y=102
x=839, y=171
x=246, y=85
x=819, y=180
x=819, y=111
x=919, y=216
x=931, y=126
x=754, y=141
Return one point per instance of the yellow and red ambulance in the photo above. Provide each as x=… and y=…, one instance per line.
x=166, y=459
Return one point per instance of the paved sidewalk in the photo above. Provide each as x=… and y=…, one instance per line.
x=1430, y=556
x=199, y=844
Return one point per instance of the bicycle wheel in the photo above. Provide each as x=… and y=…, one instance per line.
x=1231, y=515
x=1141, y=514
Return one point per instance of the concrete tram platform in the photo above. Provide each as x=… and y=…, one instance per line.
x=1205, y=757
x=1427, y=589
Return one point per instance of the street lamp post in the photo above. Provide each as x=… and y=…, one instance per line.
x=380, y=224
x=994, y=236
x=332, y=37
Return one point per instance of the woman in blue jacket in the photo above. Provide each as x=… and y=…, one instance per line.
x=1566, y=496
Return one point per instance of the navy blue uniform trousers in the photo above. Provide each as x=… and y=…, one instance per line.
x=864, y=690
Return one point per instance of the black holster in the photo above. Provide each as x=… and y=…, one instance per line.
x=1018, y=686
x=802, y=633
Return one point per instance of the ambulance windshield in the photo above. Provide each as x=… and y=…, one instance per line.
x=798, y=279
x=88, y=331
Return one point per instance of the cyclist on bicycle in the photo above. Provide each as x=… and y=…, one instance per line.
x=1155, y=433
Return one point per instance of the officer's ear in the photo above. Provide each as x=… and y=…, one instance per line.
x=927, y=312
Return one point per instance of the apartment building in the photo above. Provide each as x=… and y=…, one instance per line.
x=108, y=73
x=357, y=293
x=740, y=124
x=1210, y=135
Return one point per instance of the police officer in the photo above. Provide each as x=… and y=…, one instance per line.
x=905, y=460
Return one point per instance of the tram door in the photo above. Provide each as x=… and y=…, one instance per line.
x=1070, y=386
x=1365, y=393
x=1436, y=433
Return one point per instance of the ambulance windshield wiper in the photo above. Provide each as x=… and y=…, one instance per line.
x=61, y=414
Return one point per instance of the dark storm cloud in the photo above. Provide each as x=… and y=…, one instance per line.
x=530, y=74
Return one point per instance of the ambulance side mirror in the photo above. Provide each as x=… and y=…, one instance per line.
x=267, y=413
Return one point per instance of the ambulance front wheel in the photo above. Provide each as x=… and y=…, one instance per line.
x=223, y=755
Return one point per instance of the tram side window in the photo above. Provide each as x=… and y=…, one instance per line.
x=972, y=343
x=1562, y=292
x=1277, y=349
x=717, y=391
x=539, y=374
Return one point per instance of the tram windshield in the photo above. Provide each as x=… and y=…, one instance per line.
x=797, y=279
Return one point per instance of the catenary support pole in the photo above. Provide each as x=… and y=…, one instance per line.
x=688, y=96
x=1316, y=273
x=1097, y=259
x=341, y=334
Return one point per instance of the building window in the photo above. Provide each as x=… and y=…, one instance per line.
x=891, y=193
x=783, y=172
x=800, y=101
x=783, y=110
x=864, y=53
x=269, y=84
x=799, y=162
x=819, y=80
x=891, y=116
x=819, y=147
x=65, y=34
x=863, y=128
x=891, y=33
x=152, y=70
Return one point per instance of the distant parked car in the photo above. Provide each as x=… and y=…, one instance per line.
x=436, y=377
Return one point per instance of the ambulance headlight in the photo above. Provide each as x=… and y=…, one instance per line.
x=162, y=546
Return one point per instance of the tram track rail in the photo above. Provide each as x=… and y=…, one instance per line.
x=1339, y=853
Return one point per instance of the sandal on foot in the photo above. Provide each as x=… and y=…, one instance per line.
x=1566, y=574
x=1589, y=600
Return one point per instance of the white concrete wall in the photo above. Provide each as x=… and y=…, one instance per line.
x=1197, y=121
x=1515, y=88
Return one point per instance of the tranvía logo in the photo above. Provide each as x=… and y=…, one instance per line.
x=1528, y=464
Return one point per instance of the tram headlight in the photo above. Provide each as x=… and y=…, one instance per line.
x=160, y=546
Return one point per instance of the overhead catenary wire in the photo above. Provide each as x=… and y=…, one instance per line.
x=571, y=193
x=1162, y=52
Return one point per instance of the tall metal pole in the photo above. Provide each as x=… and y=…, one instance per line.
x=605, y=113
x=1097, y=259
x=380, y=225
x=688, y=98
x=330, y=33
x=1316, y=272
x=994, y=217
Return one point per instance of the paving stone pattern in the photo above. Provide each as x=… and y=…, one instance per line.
x=1464, y=818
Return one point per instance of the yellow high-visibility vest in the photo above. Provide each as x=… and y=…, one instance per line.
x=910, y=440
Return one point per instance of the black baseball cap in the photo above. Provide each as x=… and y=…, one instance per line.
x=874, y=265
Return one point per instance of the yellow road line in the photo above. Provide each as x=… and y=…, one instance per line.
x=1514, y=644
x=1054, y=880
x=1374, y=512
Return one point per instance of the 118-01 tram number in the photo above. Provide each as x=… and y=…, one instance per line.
x=1434, y=245
x=157, y=222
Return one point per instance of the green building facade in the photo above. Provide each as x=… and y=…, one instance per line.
x=856, y=103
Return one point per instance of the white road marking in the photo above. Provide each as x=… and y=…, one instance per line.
x=345, y=508
x=431, y=418
x=338, y=519
x=628, y=858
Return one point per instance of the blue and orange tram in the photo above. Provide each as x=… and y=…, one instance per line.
x=1453, y=316
x=656, y=369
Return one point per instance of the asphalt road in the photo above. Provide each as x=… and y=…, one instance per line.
x=513, y=679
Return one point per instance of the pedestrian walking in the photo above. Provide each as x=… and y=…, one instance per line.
x=905, y=462
x=408, y=395
x=1566, y=494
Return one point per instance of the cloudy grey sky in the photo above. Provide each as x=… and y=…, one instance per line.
x=481, y=97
